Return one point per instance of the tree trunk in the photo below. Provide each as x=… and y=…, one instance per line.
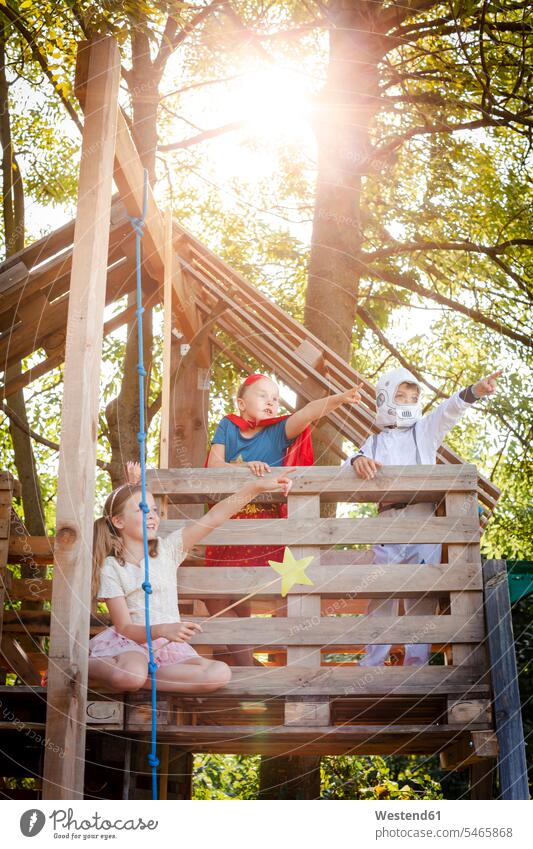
x=347, y=105
x=14, y=225
x=122, y=413
x=13, y=214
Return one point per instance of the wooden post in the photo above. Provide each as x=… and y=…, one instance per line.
x=298, y=776
x=7, y=486
x=71, y=598
x=467, y=602
x=508, y=719
x=185, y=401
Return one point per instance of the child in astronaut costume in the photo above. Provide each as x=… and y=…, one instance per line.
x=407, y=437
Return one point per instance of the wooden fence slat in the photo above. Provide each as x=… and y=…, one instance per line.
x=365, y=581
x=467, y=601
x=508, y=718
x=338, y=531
x=334, y=630
x=316, y=630
x=338, y=483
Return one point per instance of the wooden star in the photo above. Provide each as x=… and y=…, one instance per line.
x=292, y=571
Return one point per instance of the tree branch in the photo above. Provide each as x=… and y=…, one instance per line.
x=204, y=136
x=12, y=416
x=377, y=331
x=15, y=19
x=405, y=282
x=172, y=39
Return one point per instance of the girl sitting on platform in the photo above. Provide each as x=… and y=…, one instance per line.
x=118, y=656
x=259, y=438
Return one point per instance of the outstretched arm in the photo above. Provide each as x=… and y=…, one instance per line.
x=299, y=420
x=448, y=413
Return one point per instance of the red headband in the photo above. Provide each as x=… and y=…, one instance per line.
x=252, y=378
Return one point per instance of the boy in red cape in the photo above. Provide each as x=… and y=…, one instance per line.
x=260, y=438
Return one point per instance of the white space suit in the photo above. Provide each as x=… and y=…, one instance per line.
x=408, y=446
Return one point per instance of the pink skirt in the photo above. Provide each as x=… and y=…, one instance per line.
x=110, y=643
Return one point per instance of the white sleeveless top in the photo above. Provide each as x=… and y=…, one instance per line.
x=126, y=581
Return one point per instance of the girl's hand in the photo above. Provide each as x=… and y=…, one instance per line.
x=487, y=386
x=180, y=632
x=132, y=472
x=352, y=396
x=366, y=468
x=258, y=468
x=276, y=482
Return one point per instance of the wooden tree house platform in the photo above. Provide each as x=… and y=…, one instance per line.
x=308, y=696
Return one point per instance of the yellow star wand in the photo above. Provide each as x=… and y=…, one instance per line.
x=292, y=572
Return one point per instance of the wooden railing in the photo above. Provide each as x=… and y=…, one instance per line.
x=343, y=580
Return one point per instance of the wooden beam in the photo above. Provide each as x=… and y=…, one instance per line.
x=58, y=358
x=408, y=483
x=338, y=531
x=329, y=631
x=512, y=764
x=129, y=177
x=18, y=660
x=468, y=600
x=7, y=489
x=343, y=584
x=71, y=598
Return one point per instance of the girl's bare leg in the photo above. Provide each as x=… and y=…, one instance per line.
x=197, y=675
x=126, y=671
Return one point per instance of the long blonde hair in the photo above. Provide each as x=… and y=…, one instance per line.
x=107, y=538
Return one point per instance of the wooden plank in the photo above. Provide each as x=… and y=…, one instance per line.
x=469, y=710
x=12, y=276
x=367, y=581
x=24, y=340
x=40, y=548
x=53, y=276
x=462, y=753
x=6, y=484
x=129, y=177
x=56, y=359
x=168, y=342
x=466, y=602
x=424, y=483
x=105, y=713
x=300, y=605
x=69, y=635
x=179, y=297
x=18, y=660
x=512, y=764
x=339, y=630
x=307, y=713
x=338, y=531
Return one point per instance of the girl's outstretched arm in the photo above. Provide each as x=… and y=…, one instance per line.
x=299, y=420
x=196, y=531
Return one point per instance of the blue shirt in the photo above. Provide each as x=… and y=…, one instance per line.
x=269, y=445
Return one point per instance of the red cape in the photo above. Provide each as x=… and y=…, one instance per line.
x=299, y=453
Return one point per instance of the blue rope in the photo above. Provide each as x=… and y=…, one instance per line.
x=138, y=226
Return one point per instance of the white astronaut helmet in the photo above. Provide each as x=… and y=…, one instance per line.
x=390, y=413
